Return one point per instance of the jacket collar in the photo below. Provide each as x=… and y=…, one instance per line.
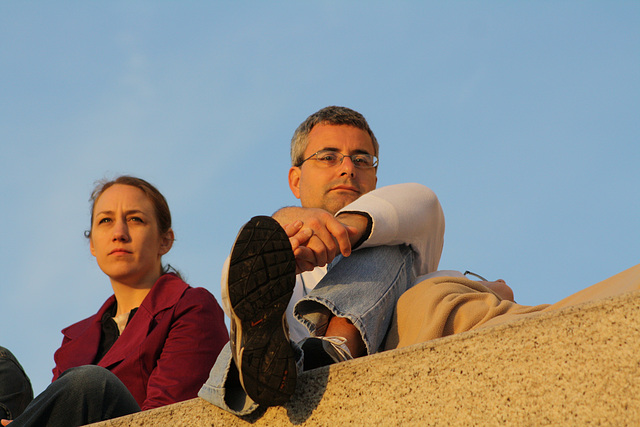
x=84, y=336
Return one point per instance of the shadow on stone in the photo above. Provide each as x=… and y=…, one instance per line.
x=309, y=392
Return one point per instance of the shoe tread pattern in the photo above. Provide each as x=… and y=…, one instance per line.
x=261, y=282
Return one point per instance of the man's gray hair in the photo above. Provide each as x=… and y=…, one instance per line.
x=332, y=116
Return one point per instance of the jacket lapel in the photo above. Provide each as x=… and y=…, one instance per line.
x=164, y=294
x=83, y=340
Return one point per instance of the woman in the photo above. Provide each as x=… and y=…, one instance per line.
x=153, y=341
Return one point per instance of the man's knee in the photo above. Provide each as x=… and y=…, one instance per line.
x=373, y=258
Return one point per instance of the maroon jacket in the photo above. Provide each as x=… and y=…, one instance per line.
x=166, y=351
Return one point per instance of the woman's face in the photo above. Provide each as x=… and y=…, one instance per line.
x=125, y=238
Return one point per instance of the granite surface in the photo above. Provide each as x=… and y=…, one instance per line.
x=575, y=366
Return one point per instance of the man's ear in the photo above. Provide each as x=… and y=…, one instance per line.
x=166, y=243
x=294, y=180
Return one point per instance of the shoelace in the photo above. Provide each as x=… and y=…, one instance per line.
x=339, y=345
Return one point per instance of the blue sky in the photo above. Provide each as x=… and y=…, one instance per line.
x=521, y=116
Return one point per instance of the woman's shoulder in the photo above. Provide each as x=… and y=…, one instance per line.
x=199, y=308
x=188, y=295
x=177, y=284
x=198, y=296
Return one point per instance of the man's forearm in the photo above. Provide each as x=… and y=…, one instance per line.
x=361, y=221
x=287, y=215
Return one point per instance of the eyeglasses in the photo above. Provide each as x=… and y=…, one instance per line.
x=476, y=275
x=328, y=158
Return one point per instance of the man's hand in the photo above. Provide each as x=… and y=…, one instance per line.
x=298, y=237
x=317, y=236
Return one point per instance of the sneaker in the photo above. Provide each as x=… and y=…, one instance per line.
x=260, y=283
x=323, y=351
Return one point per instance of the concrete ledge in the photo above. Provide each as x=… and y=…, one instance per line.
x=576, y=366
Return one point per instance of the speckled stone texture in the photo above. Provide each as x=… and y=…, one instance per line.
x=576, y=366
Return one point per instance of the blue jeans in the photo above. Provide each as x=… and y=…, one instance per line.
x=15, y=388
x=82, y=395
x=363, y=288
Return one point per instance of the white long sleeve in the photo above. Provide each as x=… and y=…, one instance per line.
x=405, y=214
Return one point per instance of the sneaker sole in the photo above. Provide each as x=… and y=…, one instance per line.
x=260, y=285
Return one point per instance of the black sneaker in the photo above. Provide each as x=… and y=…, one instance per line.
x=260, y=283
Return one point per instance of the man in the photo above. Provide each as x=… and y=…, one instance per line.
x=277, y=267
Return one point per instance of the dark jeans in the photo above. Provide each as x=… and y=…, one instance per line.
x=15, y=387
x=82, y=395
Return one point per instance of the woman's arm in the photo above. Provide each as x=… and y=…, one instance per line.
x=195, y=339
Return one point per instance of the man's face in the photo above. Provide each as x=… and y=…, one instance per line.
x=332, y=188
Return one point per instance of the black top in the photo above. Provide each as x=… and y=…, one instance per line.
x=110, y=331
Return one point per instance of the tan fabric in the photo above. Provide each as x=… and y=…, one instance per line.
x=444, y=306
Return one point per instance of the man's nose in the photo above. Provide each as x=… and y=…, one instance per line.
x=347, y=166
